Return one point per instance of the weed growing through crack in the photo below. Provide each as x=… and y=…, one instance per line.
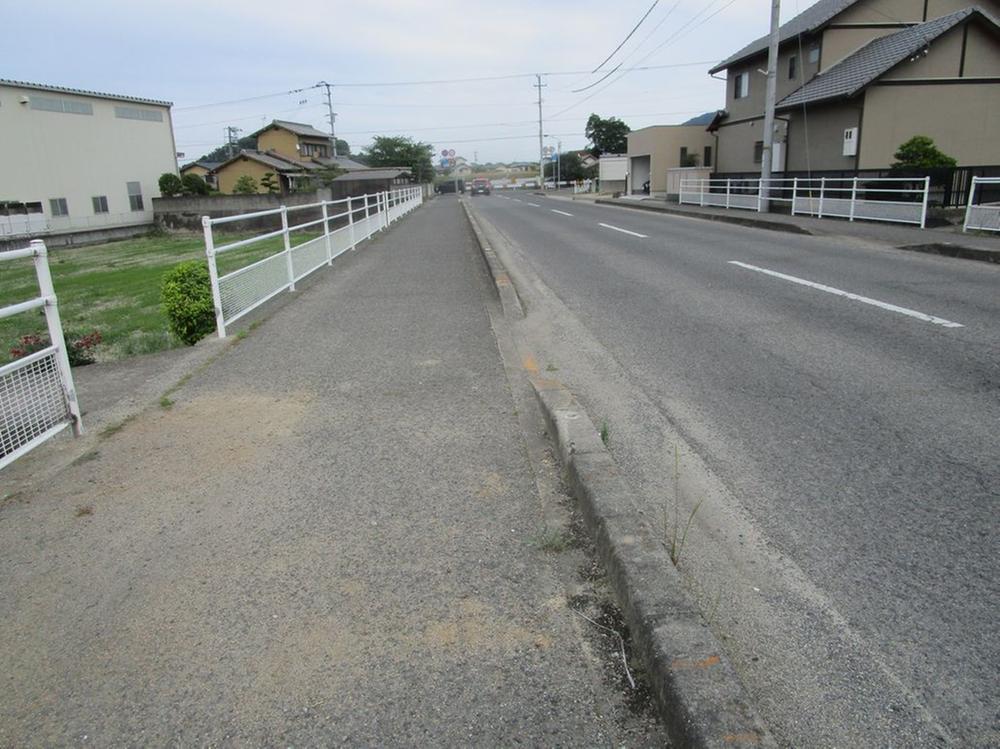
x=552, y=368
x=553, y=540
x=678, y=537
x=605, y=432
x=113, y=429
x=166, y=403
x=84, y=510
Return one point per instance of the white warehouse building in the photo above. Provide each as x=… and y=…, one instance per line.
x=76, y=161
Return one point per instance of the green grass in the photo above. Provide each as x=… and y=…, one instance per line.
x=113, y=288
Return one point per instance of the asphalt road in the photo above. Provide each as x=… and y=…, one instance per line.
x=853, y=443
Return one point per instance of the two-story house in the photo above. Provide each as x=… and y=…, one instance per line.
x=291, y=151
x=855, y=79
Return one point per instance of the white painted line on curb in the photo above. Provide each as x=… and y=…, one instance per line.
x=849, y=295
x=533, y=205
x=561, y=213
x=623, y=231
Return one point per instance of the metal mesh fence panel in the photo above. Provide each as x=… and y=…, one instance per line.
x=32, y=402
x=340, y=240
x=984, y=217
x=308, y=256
x=241, y=290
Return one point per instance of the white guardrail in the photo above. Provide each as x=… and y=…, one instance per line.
x=982, y=216
x=37, y=397
x=345, y=223
x=875, y=199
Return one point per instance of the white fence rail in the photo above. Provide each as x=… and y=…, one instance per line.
x=344, y=224
x=877, y=199
x=982, y=216
x=37, y=397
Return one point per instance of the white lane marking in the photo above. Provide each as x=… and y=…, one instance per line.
x=561, y=213
x=533, y=205
x=623, y=231
x=852, y=296
x=516, y=200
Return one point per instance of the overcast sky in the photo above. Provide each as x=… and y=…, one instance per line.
x=198, y=53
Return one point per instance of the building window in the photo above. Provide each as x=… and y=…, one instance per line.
x=758, y=152
x=55, y=104
x=708, y=156
x=134, y=196
x=792, y=65
x=684, y=156
x=135, y=113
x=100, y=203
x=814, y=55
x=741, y=87
x=58, y=207
x=313, y=149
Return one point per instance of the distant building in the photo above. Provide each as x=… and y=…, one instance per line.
x=204, y=169
x=292, y=151
x=73, y=160
x=653, y=150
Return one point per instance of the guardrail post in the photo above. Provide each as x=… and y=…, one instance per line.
x=795, y=192
x=385, y=209
x=288, y=248
x=52, y=322
x=701, y=188
x=350, y=221
x=368, y=224
x=854, y=196
x=729, y=183
x=968, y=205
x=822, y=191
x=213, y=276
x=927, y=195
x=326, y=235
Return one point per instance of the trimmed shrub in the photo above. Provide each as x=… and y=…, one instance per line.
x=186, y=296
x=194, y=185
x=170, y=185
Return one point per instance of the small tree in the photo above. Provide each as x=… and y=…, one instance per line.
x=245, y=185
x=170, y=185
x=920, y=152
x=186, y=297
x=194, y=185
x=269, y=182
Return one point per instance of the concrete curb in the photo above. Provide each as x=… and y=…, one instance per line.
x=700, y=697
x=756, y=223
x=506, y=290
x=954, y=250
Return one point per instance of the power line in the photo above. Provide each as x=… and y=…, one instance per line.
x=629, y=36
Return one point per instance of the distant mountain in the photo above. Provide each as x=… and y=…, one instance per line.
x=701, y=119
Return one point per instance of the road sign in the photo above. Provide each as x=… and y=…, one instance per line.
x=444, y=152
x=451, y=152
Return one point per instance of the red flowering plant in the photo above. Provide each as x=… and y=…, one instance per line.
x=79, y=349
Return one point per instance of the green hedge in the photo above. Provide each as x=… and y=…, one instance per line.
x=186, y=296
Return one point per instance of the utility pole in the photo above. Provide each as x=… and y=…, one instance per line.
x=331, y=116
x=231, y=138
x=558, y=163
x=541, y=158
x=770, y=97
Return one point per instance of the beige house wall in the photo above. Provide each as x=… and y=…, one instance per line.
x=282, y=142
x=823, y=129
x=753, y=104
x=195, y=169
x=959, y=117
x=982, y=53
x=228, y=174
x=838, y=42
x=944, y=61
x=663, y=143
x=45, y=155
x=884, y=11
